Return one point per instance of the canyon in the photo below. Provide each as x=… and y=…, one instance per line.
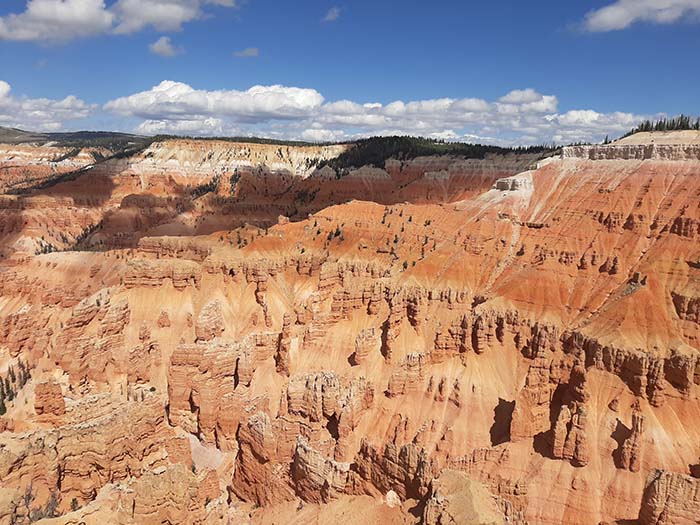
x=216, y=331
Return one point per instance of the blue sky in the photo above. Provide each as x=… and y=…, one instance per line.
x=504, y=72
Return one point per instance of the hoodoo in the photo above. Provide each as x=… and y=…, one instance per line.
x=393, y=263
x=494, y=353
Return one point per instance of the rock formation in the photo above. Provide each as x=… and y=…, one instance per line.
x=210, y=323
x=454, y=498
x=670, y=498
x=222, y=332
x=571, y=429
x=365, y=342
x=48, y=399
x=631, y=454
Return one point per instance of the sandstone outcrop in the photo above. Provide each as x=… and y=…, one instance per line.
x=631, y=453
x=532, y=407
x=48, y=399
x=408, y=376
x=202, y=381
x=317, y=479
x=454, y=498
x=257, y=477
x=210, y=322
x=146, y=272
x=282, y=358
x=99, y=447
x=670, y=497
x=214, y=332
x=166, y=495
x=365, y=342
x=571, y=430
x=571, y=436
x=675, y=152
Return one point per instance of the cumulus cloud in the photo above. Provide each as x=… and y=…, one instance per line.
x=623, y=13
x=41, y=114
x=176, y=100
x=315, y=134
x=203, y=126
x=63, y=20
x=521, y=96
x=4, y=90
x=434, y=116
x=332, y=15
x=248, y=52
x=57, y=20
x=164, y=15
x=164, y=47
x=581, y=125
x=523, y=116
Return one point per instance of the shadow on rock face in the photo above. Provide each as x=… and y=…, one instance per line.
x=620, y=435
x=502, y=416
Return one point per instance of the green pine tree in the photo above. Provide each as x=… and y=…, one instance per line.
x=8, y=389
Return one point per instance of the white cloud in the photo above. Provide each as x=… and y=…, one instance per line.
x=332, y=15
x=521, y=116
x=623, y=13
x=470, y=104
x=41, y=114
x=63, y=20
x=347, y=107
x=164, y=15
x=526, y=100
x=164, y=47
x=177, y=100
x=203, y=126
x=57, y=20
x=321, y=135
x=521, y=96
x=248, y=52
x=289, y=112
x=4, y=90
